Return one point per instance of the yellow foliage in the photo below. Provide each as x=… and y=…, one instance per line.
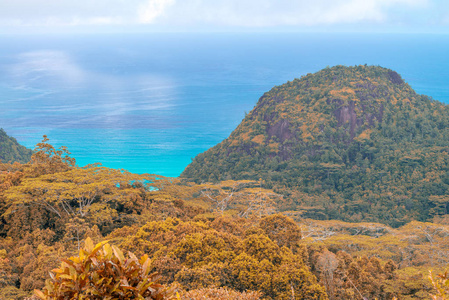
x=245, y=136
x=219, y=294
x=345, y=93
x=259, y=139
x=274, y=147
x=365, y=135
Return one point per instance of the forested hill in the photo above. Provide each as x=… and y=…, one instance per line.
x=11, y=150
x=352, y=143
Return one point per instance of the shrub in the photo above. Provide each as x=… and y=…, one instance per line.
x=103, y=272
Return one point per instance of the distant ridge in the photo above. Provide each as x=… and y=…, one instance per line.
x=11, y=150
x=355, y=143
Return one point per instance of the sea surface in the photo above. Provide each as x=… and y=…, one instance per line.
x=149, y=103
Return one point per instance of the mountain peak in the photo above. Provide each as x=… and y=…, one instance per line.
x=323, y=132
x=335, y=105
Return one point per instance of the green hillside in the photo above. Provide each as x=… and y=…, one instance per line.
x=11, y=150
x=351, y=143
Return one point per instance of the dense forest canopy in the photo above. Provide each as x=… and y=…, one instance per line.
x=11, y=150
x=349, y=143
x=221, y=240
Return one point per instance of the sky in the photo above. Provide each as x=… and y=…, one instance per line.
x=83, y=16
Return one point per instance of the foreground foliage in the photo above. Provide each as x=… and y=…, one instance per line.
x=103, y=272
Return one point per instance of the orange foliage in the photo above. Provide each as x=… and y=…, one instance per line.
x=103, y=272
x=259, y=139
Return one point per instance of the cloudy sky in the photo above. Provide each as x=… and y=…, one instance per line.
x=28, y=16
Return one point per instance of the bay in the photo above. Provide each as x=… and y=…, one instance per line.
x=150, y=102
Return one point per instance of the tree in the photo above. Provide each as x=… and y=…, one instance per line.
x=223, y=194
x=259, y=201
x=327, y=264
x=75, y=194
x=48, y=160
x=282, y=230
x=72, y=193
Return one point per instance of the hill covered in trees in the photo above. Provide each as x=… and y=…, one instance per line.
x=349, y=143
x=11, y=150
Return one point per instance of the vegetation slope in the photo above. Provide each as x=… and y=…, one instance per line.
x=205, y=241
x=349, y=143
x=11, y=150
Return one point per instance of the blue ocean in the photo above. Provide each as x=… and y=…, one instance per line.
x=149, y=103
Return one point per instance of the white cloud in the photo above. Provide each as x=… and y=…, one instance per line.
x=149, y=11
x=184, y=14
x=69, y=12
x=286, y=12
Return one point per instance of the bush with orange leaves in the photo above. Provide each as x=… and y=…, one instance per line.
x=103, y=272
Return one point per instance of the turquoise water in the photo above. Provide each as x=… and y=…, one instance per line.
x=151, y=102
